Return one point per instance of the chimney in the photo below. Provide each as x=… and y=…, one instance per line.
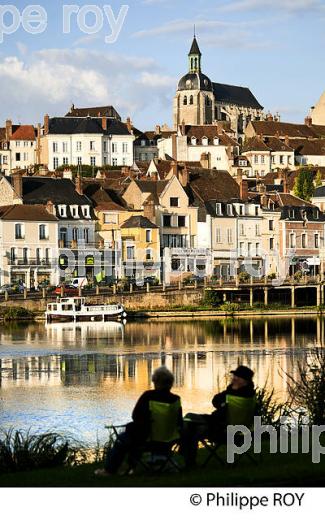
x=283, y=177
x=269, y=117
x=67, y=173
x=184, y=176
x=46, y=124
x=308, y=121
x=286, y=141
x=149, y=210
x=126, y=171
x=129, y=124
x=205, y=160
x=104, y=123
x=50, y=207
x=43, y=171
x=18, y=183
x=8, y=129
x=243, y=190
x=175, y=168
x=158, y=130
x=239, y=177
x=174, y=147
x=79, y=185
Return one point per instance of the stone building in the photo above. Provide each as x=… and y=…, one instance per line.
x=199, y=101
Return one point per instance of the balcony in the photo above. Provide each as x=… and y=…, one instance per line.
x=30, y=262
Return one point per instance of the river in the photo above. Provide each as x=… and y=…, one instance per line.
x=76, y=378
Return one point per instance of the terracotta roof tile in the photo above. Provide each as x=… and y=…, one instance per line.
x=27, y=212
x=24, y=133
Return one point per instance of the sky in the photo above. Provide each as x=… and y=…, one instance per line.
x=274, y=47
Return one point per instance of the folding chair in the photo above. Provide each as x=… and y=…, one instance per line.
x=158, y=451
x=240, y=412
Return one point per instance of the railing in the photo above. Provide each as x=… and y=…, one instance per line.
x=30, y=262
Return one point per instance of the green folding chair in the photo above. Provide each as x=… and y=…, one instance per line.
x=160, y=448
x=240, y=412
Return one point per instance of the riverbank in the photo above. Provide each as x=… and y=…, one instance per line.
x=272, y=470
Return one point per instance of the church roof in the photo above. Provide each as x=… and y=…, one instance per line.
x=195, y=48
x=195, y=81
x=234, y=95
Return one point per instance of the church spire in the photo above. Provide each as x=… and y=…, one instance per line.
x=195, y=56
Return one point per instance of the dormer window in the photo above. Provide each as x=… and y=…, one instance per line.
x=205, y=141
x=229, y=210
x=62, y=210
x=316, y=213
x=216, y=141
x=218, y=209
x=291, y=213
x=85, y=210
x=193, y=141
x=74, y=211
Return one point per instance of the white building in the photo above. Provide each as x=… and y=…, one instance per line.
x=89, y=141
x=18, y=149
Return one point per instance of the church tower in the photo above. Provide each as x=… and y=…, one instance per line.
x=194, y=100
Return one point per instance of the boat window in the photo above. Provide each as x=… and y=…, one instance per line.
x=54, y=307
x=67, y=307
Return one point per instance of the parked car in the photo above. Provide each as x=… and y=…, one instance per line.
x=69, y=290
x=8, y=288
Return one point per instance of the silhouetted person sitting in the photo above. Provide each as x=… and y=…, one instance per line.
x=138, y=432
x=213, y=426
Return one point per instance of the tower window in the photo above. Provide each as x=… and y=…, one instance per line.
x=191, y=100
x=185, y=100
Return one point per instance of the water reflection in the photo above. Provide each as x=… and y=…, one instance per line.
x=82, y=376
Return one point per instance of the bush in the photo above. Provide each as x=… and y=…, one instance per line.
x=269, y=409
x=230, y=307
x=15, y=313
x=21, y=451
x=244, y=277
x=211, y=298
x=297, y=276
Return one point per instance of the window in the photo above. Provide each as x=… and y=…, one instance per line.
x=173, y=201
x=17, y=157
x=55, y=163
x=64, y=147
x=241, y=229
x=229, y=210
x=114, y=147
x=47, y=255
x=229, y=236
x=316, y=213
x=167, y=220
x=130, y=252
x=292, y=241
x=75, y=234
x=86, y=235
x=191, y=100
x=125, y=147
x=79, y=161
x=218, y=235
x=257, y=249
x=43, y=232
x=271, y=244
x=65, y=161
x=291, y=213
x=181, y=221
x=148, y=254
x=185, y=100
x=38, y=256
x=114, y=161
x=63, y=236
x=78, y=146
x=303, y=240
x=205, y=141
x=257, y=230
x=281, y=159
x=148, y=235
x=241, y=248
x=216, y=141
x=249, y=249
x=256, y=211
x=316, y=240
x=25, y=156
x=105, y=146
x=55, y=148
x=271, y=225
x=62, y=211
x=74, y=211
x=12, y=255
x=124, y=161
x=25, y=255
x=241, y=210
x=256, y=159
x=19, y=231
x=193, y=141
x=110, y=218
x=92, y=161
x=92, y=145
x=262, y=159
x=218, y=209
x=85, y=210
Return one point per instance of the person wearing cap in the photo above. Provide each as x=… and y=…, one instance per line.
x=199, y=426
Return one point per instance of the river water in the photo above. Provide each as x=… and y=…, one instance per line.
x=76, y=378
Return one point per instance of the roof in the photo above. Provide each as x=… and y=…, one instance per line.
x=155, y=188
x=106, y=111
x=104, y=199
x=138, y=221
x=234, y=95
x=24, y=133
x=268, y=144
x=26, y=212
x=39, y=190
x=255, y=144
x=195, y=48
x=308, y=146
x=86, y=125
x=319, y=192
x=286, y=199
x=163, y=167
x=209, y=131
x=195, y=81
x=213, y=184
x=291, y=130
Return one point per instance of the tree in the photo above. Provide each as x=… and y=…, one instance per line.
x=318, y=179
x=304, y=187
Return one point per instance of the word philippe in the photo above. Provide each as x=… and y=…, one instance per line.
x=88, y=19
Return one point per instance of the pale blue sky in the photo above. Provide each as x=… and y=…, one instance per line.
x=275, y=47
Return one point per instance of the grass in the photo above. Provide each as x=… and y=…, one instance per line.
x=272, y=470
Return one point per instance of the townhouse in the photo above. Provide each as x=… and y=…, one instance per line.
x=18, y=147
x=268, y=154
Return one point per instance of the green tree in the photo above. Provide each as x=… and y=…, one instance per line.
x=304, y=187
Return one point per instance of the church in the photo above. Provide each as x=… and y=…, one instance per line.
x=199, y=101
